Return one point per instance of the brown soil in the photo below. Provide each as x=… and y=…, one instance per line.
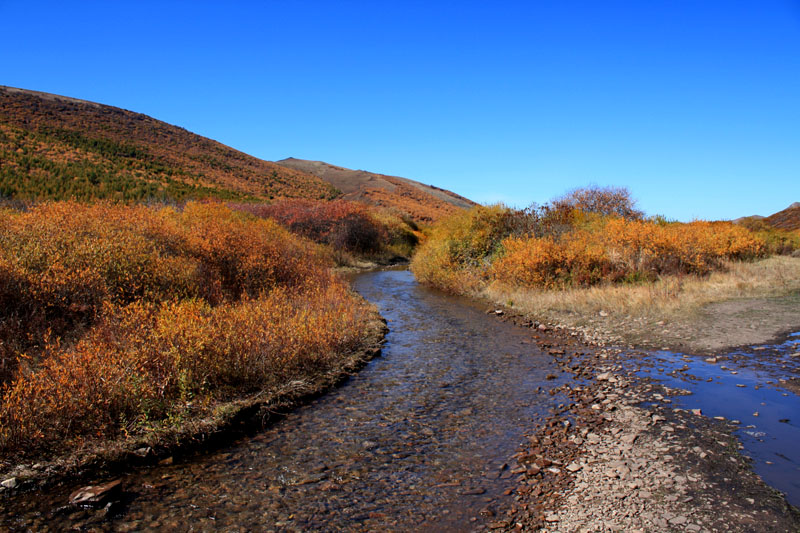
x=716, y=327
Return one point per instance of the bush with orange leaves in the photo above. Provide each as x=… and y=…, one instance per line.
x=552, y=247
x=460, y=248
x=615, y=249
x=346, y=226
x=116, y=317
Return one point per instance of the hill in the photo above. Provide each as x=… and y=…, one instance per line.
x=55, y=147
x=787, y=219
x=422, y=202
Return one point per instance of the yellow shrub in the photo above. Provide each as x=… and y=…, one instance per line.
x=552, y=248
x=458, y=251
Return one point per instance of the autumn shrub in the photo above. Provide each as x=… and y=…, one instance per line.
x=777, y=241
x=549, y=263
x=556, y=246
x=346, y=226
x=694, y=248
x=460, y=248
x=127, y=314
x=615, y=249
x=609, y=201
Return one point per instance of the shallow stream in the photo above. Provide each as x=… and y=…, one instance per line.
x=417, y=440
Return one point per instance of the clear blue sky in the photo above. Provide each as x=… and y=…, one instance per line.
x=695, y=106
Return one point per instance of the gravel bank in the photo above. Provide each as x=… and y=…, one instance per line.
x=621, y=457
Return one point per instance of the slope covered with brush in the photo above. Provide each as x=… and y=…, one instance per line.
x=424, y=203
x=54, y=147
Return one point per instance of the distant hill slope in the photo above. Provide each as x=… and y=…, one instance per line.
x=55, y=147
x=422, y=202
x=788, y=219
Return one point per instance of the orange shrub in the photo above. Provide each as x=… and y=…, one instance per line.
x=130, y=312
x=550, y=247
x=460, y=248
x=693, y=248
x=342, y=224
x=546, y=262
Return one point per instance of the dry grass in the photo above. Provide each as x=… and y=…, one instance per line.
x=666, y=298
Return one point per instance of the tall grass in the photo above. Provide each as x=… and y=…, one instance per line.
x=668, y=297
x=116, y=317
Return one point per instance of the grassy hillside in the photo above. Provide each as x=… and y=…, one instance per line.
x=787, y=219
x=54, y=147
x=423, y=203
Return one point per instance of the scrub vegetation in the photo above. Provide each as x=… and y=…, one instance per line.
x=592, y=250
x=353, y=231
x=116, y=320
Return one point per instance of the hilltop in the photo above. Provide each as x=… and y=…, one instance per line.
x=420, y=201
x=55, y=147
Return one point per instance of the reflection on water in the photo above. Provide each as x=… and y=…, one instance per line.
x=414, y=441
x=745, y=386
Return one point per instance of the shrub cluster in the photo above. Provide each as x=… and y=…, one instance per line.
x=587, y=237
x=614, y=249
x=346, y=226
x=116, y=317
x=778, y=241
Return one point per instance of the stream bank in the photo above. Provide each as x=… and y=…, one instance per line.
x=438, y=434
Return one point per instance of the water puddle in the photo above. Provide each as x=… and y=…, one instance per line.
x=746, y=386
x=415, y=441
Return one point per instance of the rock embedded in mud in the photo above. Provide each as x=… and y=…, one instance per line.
x=9, y=483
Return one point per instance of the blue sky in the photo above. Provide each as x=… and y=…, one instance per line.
x=694, y=106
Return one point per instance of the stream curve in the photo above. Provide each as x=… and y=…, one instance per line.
x=417, y=440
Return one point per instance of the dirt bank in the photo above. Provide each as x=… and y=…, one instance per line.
x=749, y=303
x=713, y=328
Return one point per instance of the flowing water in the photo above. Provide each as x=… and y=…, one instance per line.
x=417, y=440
